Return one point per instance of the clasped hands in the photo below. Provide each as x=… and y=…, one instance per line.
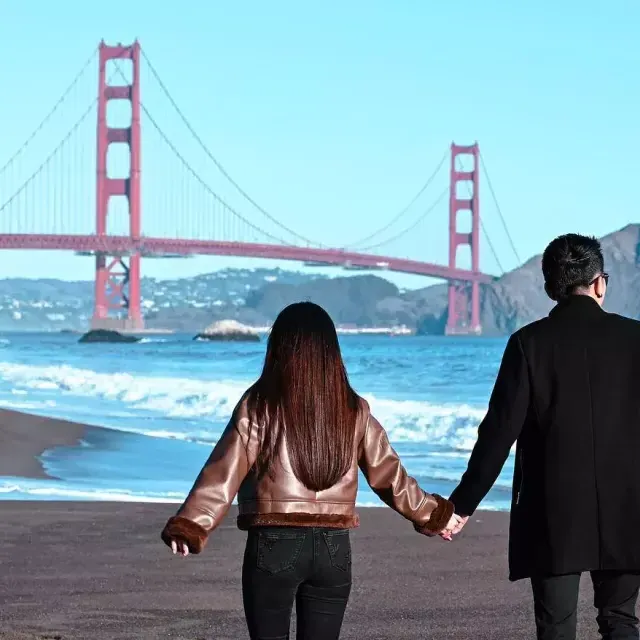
x=454, y=527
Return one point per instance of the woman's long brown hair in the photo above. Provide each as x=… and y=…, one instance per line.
x=304, y=391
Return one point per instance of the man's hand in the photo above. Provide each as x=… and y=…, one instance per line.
x=180, y=547
x=454, y=527
x=462, y=520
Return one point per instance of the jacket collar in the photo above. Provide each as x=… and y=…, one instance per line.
x=581, y=304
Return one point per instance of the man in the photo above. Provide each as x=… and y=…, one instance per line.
x=568, y=391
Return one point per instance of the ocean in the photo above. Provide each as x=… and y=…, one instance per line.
x=174, y=397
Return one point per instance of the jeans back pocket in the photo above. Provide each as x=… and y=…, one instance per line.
x=339, y=545
x=279, y=551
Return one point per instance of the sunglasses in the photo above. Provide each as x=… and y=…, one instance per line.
x=604, y=276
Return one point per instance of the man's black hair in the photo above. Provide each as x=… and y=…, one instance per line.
x=571, y=262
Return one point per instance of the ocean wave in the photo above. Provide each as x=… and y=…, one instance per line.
x=27, y=405
x=173, y=397
x=53, y=492
x=199, y=403
x=48, y=490
x=453, y=425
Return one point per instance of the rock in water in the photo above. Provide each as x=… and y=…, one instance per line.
x=106, y=335
x=229, y=330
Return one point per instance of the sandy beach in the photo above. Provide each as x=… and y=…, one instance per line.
x=99, y=570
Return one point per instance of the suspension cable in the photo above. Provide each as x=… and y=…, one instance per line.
x=488, y=239
x=48, y=117
x=48, y=159
x=410, y=227
x=495, y=200
x=202, y=182
x=189, y=168
x=218, y=164
x=399, y=215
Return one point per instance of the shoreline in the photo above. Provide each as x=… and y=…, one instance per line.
x=34, y=448
x=25, y=437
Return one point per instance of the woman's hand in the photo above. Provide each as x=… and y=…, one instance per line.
x=454, y=526
x=177, y=546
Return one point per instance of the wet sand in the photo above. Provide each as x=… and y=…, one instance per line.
x=73, y=570
x=24, y=437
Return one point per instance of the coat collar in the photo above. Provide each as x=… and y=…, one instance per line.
x=581, y=304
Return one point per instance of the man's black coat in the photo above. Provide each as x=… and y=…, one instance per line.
x=568, y=391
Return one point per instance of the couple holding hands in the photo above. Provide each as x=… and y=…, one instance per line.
x=566, y=392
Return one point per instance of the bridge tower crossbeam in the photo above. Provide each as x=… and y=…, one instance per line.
x=117, y=277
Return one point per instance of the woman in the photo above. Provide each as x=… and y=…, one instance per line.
x=291, y=452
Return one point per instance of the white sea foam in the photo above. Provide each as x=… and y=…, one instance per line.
x=27, y=405
x=454, y=425
x=48, y=491
x=449, y=425
x=173, y=397
x=21, y=489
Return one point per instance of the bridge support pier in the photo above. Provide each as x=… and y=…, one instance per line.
x=117, y=280
x=464, y=297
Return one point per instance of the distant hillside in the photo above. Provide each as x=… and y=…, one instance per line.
x=184, y=304
x=255, y=296
x=519, y=298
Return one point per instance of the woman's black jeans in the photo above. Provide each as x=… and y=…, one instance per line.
x=309, y=565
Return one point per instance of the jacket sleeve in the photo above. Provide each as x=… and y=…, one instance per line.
x=385, y=474
x=498, y=431
x=217, y=484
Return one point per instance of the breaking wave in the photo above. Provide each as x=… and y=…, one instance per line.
x=201, y=407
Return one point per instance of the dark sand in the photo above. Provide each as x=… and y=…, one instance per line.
x=100, y=571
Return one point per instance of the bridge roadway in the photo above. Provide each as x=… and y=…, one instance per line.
x=159, y=247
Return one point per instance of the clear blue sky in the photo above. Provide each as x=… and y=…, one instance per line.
x=333, y=114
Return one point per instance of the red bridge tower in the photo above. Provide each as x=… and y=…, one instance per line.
x=464, y=297
x=117, y=280
x=117, y=284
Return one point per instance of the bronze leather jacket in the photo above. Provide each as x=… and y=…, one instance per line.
x=284, y=501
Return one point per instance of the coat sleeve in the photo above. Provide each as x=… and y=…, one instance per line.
x=498, y=431
x=388, y=478
x=217, y=484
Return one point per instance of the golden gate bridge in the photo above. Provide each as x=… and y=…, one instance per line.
x=37, y=213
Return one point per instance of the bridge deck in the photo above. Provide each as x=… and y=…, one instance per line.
x=124, y=245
